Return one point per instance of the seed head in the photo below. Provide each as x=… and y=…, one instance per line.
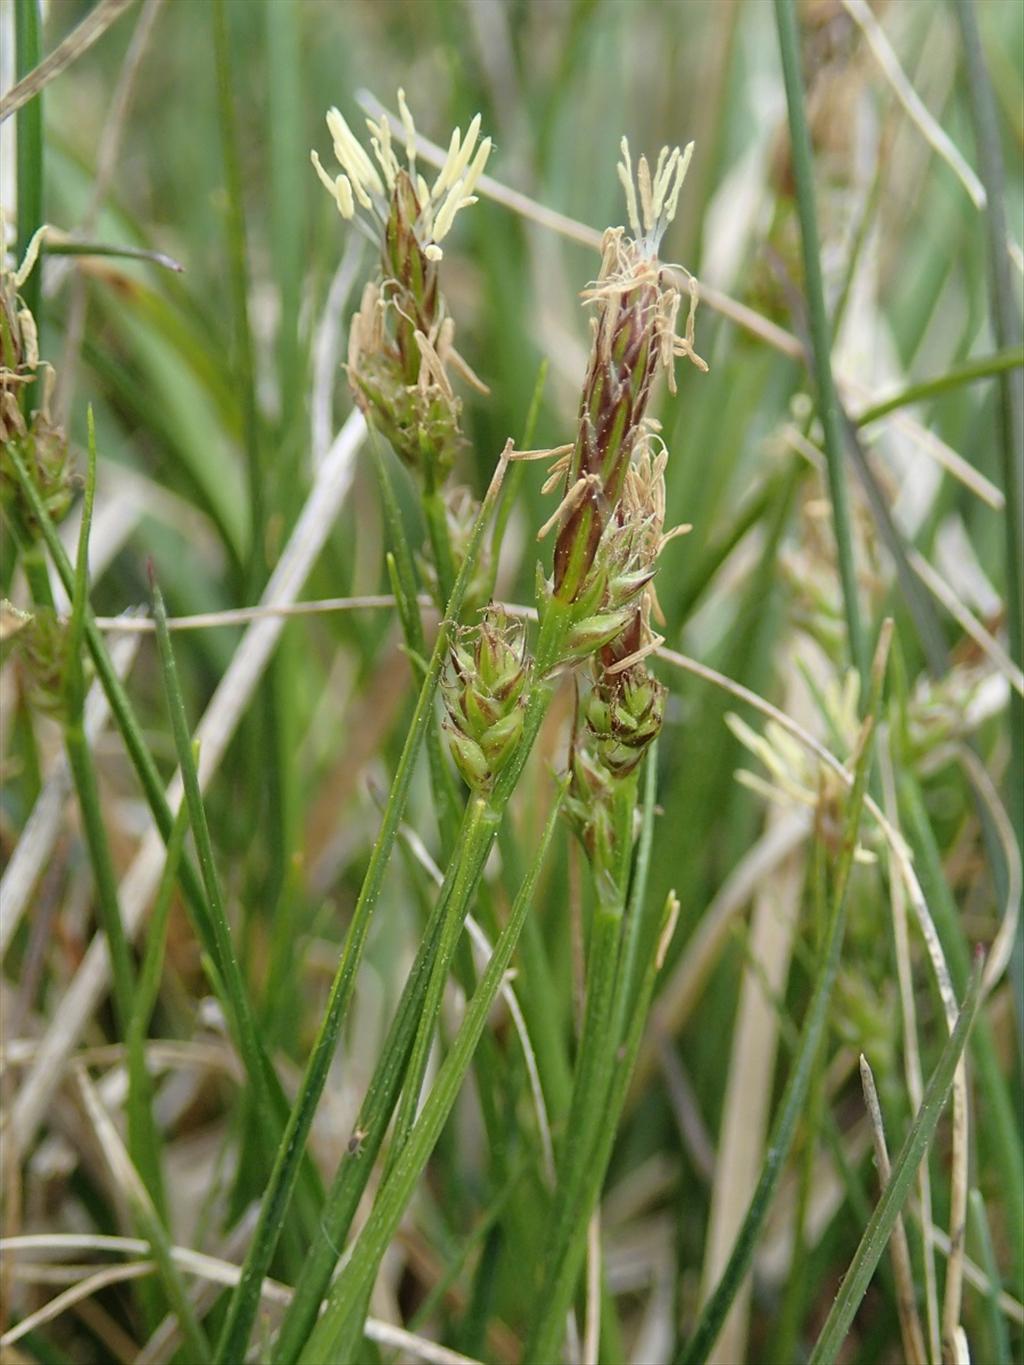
x=401, y=342
x=371, y=184
x=616, y=721
x=484, y=695
x=637, y=304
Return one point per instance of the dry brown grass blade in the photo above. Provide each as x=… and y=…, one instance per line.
x=750, y=1085
x=68, y=50
x=903, y=1271
x=215, y=730
x=42, y=829
x=218, y=1272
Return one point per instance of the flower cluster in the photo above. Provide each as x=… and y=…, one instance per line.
x=637, y=305
x=401, y=353
x=616, y=720
x=797, y=777
x=611, y=518
x=484, y=695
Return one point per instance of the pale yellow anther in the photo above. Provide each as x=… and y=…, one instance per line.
x=479, y=162
x=366, y=184
x=444, y=177
x=380, y=140
x=456, y=170
x=340, y=189
x=643, y=177
x=651, y=214
x=410, y=131
x=681, y=169
x=625, y=171
x=446, y=213
x=350, y=154
x=31, y=255
x=343, y=196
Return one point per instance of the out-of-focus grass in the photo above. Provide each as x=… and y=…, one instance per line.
x=202, y=385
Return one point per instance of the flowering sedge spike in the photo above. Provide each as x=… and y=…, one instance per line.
x=637, y=305
x=484, y=696
x=615, y=724
x=401, y=343
x=613, y=509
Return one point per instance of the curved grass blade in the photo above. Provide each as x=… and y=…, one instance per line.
x=828, y=408
x=245, y=1299
x=880, y=1226
x=357, y=1278
x=784, y=1127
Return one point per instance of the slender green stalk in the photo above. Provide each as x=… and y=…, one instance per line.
x=82, y=770
x=377, y=1109
x=143, y=1139
x=984, y=367
x=357, y=1278
x=781, y=1137
x=29, y=153
x=147, y=988
x=999, y=1132
x=1008, y=329
x=999, y=1337
x=879, y=1228
x=436, y=517
x=356, y=1166
x=482, y=821
x=607, y=991
x=473, y=845
x=640, y=931
x=404, y=587
x=239, y=281
x=821, y=339
x=224, y=956
x=623, y=1061
x=149, y=778
x=245, y=1299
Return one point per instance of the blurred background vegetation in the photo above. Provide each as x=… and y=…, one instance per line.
x=186, y=130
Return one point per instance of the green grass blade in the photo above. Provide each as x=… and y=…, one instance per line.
x=84, y=773
x=262, y=1073
x=999, y=1336
x=221, y=943
x=404, y=587
x=357, y=1278
x=984, y=367
x=876, y=1234
x=235, y=1334
x=1008, y=328
x=821, y=338
x=29, y=151
x=781, y=1138
x=238, y=268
